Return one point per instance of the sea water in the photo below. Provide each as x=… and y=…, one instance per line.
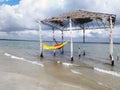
x=97, y=52
x=94, y=64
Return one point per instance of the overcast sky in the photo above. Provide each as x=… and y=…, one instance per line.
x=17, y=17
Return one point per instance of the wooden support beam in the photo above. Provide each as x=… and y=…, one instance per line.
x=79, y=54
x=62, y=42
x=84, y=41
x=111, y=42
x=54, y=40
x=87, y=28
x=41, y=47
x=83, y=35
x=54, y=53
x=52, y=25
x=71, y=38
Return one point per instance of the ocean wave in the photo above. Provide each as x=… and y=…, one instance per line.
x=59, y=62
x=15, y=57
x=108, y=72
x=22, y=59
x=76, y=72
x=67, y=64
x=6, y=54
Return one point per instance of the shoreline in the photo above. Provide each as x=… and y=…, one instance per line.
x=19, y=74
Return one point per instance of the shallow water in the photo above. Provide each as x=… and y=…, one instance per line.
x=20, y=62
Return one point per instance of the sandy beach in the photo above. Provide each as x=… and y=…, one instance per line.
x=18, y=74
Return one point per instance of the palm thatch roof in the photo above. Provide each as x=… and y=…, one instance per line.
x=81, y=19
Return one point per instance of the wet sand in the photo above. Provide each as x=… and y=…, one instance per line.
x=21, y=75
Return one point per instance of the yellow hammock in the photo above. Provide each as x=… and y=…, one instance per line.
x=55, y=47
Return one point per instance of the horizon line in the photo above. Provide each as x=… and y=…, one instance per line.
x=58, y=41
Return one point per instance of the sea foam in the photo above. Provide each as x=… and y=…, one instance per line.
x=75, y=72
x=6, y=54
x=117, y=74
x=67, y=64
x=22, y=59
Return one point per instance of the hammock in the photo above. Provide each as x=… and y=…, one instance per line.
x=55, y=47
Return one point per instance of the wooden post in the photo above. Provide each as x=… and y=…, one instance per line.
x=62, y=42
x=83, y=35
x=41, y=47
x=71, y=39
x=54, y=53
x=111, y=42
x=54, y=40
x=79, y=51
x=83, y=41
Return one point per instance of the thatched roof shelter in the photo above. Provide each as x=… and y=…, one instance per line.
x=80, y=20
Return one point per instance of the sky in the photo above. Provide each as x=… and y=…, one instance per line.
x=17, y=18
x=9, y=2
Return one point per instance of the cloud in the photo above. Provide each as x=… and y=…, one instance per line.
x=3, y=35
x=23, y=15
x=21, y=18
x=25, y=35
x=18, y=21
